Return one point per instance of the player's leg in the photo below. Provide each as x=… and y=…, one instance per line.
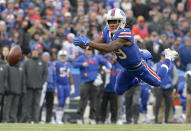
x=92, y=97
x=144, y=100
x=66, y=94
x=113, y=107
x=60, y=95
x=124, y=81
x=146, y=74
x=105, y=100
x=84, y=96
x=59, y=108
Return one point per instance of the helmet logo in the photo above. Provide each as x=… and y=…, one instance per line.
x=122, y=13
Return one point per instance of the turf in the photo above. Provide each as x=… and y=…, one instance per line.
x=74, y=127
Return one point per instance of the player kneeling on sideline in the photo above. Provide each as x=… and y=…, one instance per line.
x=64, y=83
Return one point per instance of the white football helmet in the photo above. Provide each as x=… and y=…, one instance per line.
x=62, y=56
x=116, y=14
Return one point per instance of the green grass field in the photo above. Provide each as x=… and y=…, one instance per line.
x=74, y=127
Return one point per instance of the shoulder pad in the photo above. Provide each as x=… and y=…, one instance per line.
x=124, y=34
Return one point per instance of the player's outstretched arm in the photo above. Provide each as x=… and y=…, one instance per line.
x=99, y=40
x=114, y=45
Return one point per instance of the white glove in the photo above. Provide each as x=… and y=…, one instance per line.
x=98, y=81
x=72, y=89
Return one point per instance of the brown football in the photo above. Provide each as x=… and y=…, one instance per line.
x=15, y=55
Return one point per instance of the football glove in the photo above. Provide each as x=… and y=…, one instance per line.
x=81, y=40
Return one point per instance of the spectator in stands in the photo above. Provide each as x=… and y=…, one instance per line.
x=163, y=39
x=3, y=34
x=72, y=50
x=184, y=24
x=170, y=41
x=177, y=43
x=15, y=39
x=140, y=28
x=165, y=17
x=152, y=27
x=178, y=33
x=168, y=28
x=185, y=52
x=174, y=20
x=168, y=4
x=88, y=63
x=60, y=33
x=35, y=70
x=166, y=89
x=4, y=53
x=188, y=15
x=155, y=4
x=126, y=5
x=130, y=17
x=2, y=5
x=140, y=9
x=180, y=9
x=155, y=47
x=35, y=40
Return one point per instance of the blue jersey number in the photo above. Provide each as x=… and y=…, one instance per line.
x=121, y=54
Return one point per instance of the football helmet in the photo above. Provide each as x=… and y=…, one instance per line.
x=62, y=56
x=116, y=14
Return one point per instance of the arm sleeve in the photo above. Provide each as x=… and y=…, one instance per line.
x=79, y=62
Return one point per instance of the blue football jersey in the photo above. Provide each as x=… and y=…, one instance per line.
x=62, y=73
x=127, y=56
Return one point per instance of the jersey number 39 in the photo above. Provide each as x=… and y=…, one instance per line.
x=120, y=54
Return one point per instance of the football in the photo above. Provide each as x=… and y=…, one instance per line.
x=14, y=55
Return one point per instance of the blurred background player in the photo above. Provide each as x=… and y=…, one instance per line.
x=88, y=63
x=50, y=84
x=109, y=96
x=166, y=89
x=187, y=93
x=64, y=82
x=35, y=71
x=3, y=86
x=15, y=87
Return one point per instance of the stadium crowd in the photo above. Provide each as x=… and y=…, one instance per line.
x=45, y=30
